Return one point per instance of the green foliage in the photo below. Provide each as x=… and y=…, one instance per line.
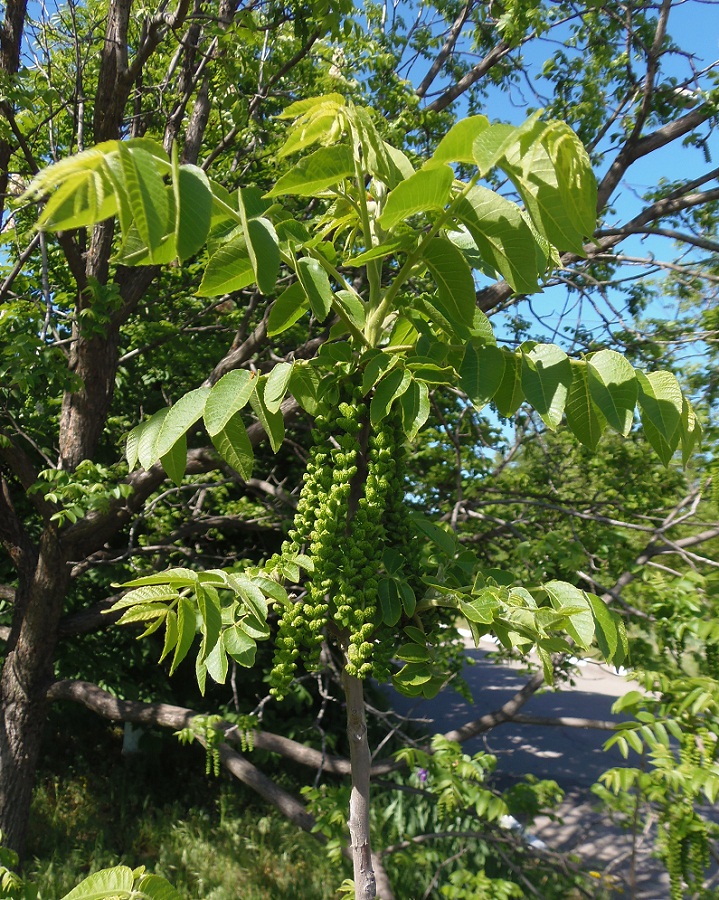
x=675, y=729
x=12, y=885
x=89, y=487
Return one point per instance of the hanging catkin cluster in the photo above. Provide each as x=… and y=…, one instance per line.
x=349, y=512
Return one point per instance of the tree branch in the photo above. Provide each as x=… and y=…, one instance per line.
x=496, y=54
x=447, y=48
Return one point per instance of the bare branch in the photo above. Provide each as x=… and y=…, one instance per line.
x=447, y=48
x=494, y=56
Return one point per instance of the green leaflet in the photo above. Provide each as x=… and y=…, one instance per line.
x=178, y=577
x=316, y=285
x=301, y=108
x=208, y=604
x=179, y=419
x=386, y=392
x=691, y=430
x=132, y=445
x=262, y=247
x=229, y=269
x=509, y=396
x=264, y=251
x=414, y=404
x=272, y=422
x=171, y=634
x=147, y=438
x=580, y=625
x=287, y=309
x=547, y=165
x=186, y=629
x=454, y=281
x=577, y=184
x=609, y=630
x=147, y=195
x=231, y=394
x=481, y=372
x=81, y=200
x=174, y=462
x=503, y=238
x=195, y=209
x=155, y=887
x=414, y=653
x=311, y=132
x=378, y=161
x=276, y=386
x=390, y=601
x=425, y=190
x=379, y=251
x=613, y=388
x=313, y=174
x=104, y=885
x=233, y=444
x=489, y=145
x=661, y=404
x=250, y=594
x=239, y=645
x=352, y=306
x=304, y=386
x=216, y=662
x=458, y=144
x=377, y=366
x=583, y=417
x=546, y=377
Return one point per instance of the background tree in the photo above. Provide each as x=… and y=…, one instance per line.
x=77, y=326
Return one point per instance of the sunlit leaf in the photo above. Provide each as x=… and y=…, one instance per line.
x=180, y=418
x=234, y=446
x=457, y=145
x=229, y=269
x=661, y=405
x=453, y=277
x=481, y=372
x=195, y=210
x=272, y=422
x=287, y=309
x=231, y=394
x=509, y=396
x=386, y=392
x=174, y=462
x=240, y=646
x=147, y=194
x=546, y=377
x=503, y=238
x=583, y=416
x=316, y=285
x=427, y=189
x=323, y=169
x=613, y=388
x=276, y=385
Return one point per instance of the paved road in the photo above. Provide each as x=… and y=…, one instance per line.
x=571, y=756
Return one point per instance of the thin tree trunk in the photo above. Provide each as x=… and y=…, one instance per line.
x=361, y=762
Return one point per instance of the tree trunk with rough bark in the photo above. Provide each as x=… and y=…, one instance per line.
x=26, y=676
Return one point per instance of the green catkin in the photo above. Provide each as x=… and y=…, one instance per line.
x=319, y=531
x=344, y=522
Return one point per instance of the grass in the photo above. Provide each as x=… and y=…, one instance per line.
x=211, y=838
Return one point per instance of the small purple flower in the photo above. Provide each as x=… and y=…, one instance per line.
x=422, y=775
